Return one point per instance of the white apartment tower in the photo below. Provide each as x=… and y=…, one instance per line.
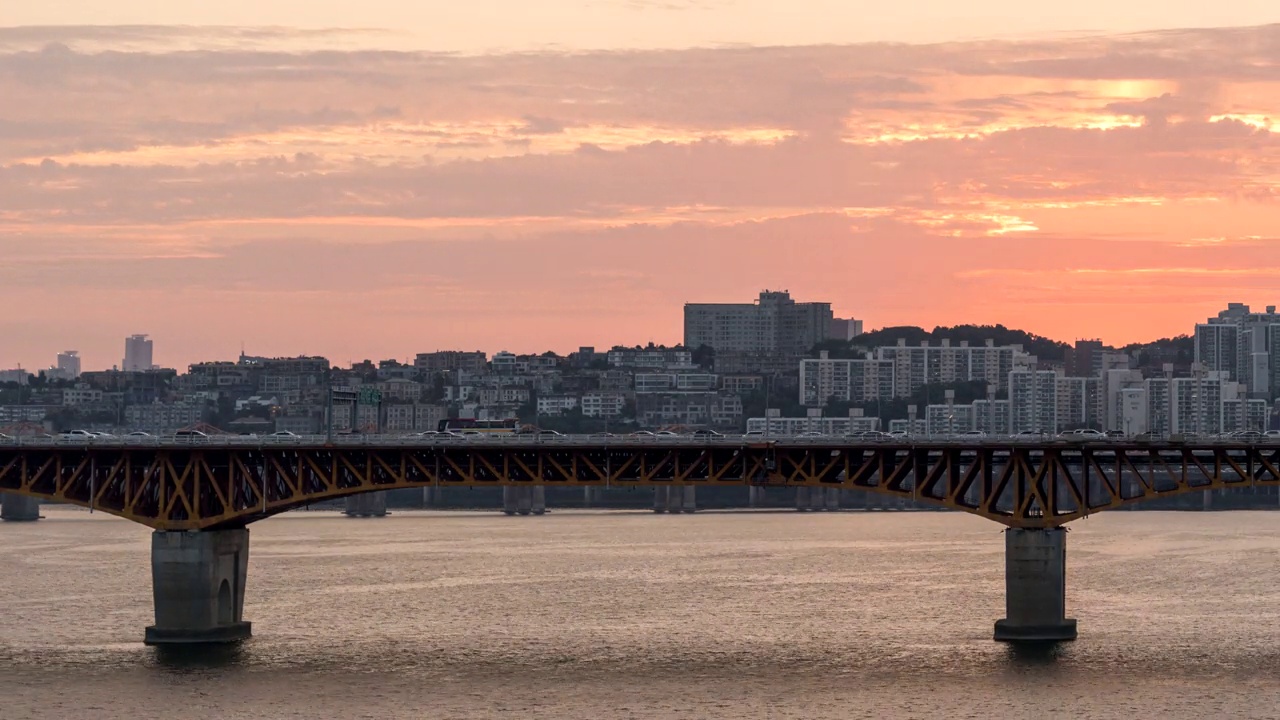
x=914, y=367
x=137, y=353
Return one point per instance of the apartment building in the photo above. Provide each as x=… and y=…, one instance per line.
x=1033, y=401
x=676, y=382
x=651, y=358
x=777, y=426
x=689, y=408
x=917, y=366
x=949, y=419
x=163, y=417
x=450, y=360
x=774, y=324
x=598, y=404
x=854, y=381
x=555, y=405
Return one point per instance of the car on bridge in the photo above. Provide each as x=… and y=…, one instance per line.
x=76, y=436
x=1246, y=435
x=190, y=436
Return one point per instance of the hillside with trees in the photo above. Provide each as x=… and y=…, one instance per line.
x=1042, y=347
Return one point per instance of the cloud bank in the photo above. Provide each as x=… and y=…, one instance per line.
x=333, y=200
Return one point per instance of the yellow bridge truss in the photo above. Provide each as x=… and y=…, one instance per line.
x=1019, y=485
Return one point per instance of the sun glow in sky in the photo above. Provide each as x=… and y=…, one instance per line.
x=482, y=175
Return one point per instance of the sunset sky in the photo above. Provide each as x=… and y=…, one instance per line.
x=377, y=179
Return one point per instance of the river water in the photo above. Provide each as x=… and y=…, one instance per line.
x=634, y=615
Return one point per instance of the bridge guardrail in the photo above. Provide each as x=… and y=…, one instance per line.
x=664, y=441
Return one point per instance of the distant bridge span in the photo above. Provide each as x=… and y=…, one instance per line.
x=206, y=486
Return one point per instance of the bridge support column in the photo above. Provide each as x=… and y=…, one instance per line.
x=198, y=581
x=832, y=500
x=661, y=498
x=688, y=498
x=509, y=505
x=372, y=504
x=524, y=499
x=802, y=499
x=755, y=496
x=538, y=499
x=19, y=508
x=1035, y=586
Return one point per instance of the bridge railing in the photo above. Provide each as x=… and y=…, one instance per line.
x=601, y=440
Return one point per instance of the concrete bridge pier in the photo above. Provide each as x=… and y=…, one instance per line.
x=817, y=498
x=675, y=498
x=755, y=496
x=524, y=499
x=661, y=498
x=198, y=581
x=19, y=508
x=803, y=503
x=832, y=500
x=1035, y=587
x=688, y=498
x=373, y=504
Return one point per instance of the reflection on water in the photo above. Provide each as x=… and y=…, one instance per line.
x=200, y=657
x=590, y=615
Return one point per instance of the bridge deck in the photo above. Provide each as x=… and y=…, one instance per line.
x=222, y=482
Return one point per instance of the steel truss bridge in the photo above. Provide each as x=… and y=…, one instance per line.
x=230, y=482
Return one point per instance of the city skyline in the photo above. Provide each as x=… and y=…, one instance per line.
x=407, y=350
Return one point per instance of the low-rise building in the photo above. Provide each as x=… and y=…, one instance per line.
x=603, y=404
x=81, y=394
x=778, y=426
x=159, y=418
x=651, y=358
x=554, y=405
x=298, y=424
x=742, y=384
x=400, y=390
x=689, y=408
x=449, y=360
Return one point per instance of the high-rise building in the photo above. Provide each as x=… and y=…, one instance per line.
x=1085, y=359
x=774, y=325
x=1033, y=401
x=1244, y=344
x=137, y=353
x=1079, y=403
x=844, y=329
x=914, y=367
x=1218, y=348
x=854, y=381
x=69, y=364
